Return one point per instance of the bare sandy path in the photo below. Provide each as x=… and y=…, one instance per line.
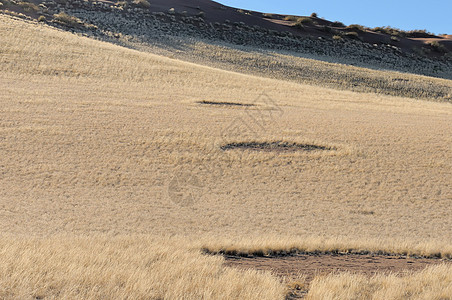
x=313, y=265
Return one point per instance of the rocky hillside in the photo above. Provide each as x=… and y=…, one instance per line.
x=177, y=26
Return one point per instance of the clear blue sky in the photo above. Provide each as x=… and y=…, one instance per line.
x=433, y=15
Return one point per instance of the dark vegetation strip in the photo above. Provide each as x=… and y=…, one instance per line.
x=295, y=252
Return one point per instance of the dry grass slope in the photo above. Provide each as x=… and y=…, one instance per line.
x=91, y=134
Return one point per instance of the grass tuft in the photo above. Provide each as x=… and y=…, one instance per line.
x=67, y=20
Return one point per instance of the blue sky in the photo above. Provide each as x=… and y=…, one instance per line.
x=433, y=15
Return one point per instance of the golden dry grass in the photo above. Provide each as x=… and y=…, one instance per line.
x=122, y=268
x=92, y=135
x=307, y=69
x=432, y=283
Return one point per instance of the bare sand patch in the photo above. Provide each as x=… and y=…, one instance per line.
x=300, y=270
x=313, y=265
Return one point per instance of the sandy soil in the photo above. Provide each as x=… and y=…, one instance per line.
x=312, y=265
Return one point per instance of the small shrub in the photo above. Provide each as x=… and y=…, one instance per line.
x=395, y=39
x=326, y=29
x=389, y=30
x=337, y=38
x=437, y=47
x=201, y=14
x=90, y=26
x=42, y=19
x=171, y=11
x=419, y=34
x=379, y=29
x=356, y=27
x=426, y=51
x=122, y=4
x=142, y=3
x=299, y=26
x=67, y=20
x=28, y=7
x=352, y=34
x=314, y=15
x=268, y=16
x=291, y=18
x=418, y=50
x=337, y=24
x=244, y=12
x=304, y=20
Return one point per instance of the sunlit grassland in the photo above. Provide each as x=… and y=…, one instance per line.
x=91, y=135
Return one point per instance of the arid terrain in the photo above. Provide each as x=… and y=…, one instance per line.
x=192, y=167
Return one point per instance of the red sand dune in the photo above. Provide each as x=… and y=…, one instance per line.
x=216, y=12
